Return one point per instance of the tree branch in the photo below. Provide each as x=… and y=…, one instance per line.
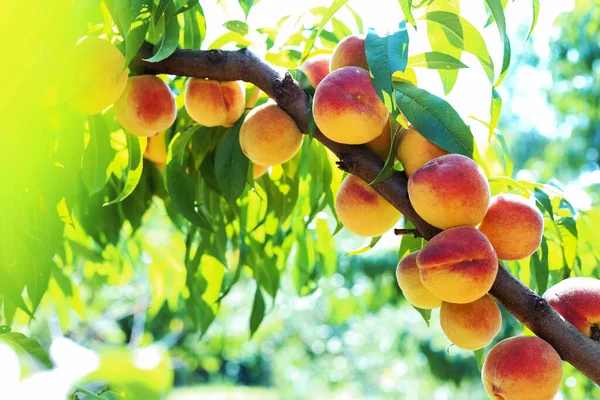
x=529, y=308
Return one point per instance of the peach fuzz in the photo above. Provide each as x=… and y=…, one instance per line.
x=97, y=75
x=407, y=275
x=258, y=170
x=350, y=51
x=471, y=326
x=578, y=301
x=450, y=191
x=414, y=151
x=214, y=103
x=146, y=106
x=362, y=210
x=458, y=265
x=523, y=368
x=316, y=68
x=269, y=136
x=156, y=149
x=513, y=225
x=346, y=107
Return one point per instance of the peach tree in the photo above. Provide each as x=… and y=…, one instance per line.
x=261, y=146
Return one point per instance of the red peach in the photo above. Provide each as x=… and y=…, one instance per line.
x=316, y=68
x=407, y=275
x=214, y=103
x=350, y=51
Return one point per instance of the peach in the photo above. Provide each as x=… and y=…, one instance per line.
x=513, y=225
x=471, y=326
x=450, y=191
x=523, y=368
x=252, y=96
x=382, y=143
x=98, y=75
x=316, y=68
x=414, y=151
x=258, y=170
x=458, y=265
x=578, y=301
x=156, y=149
x=269, y=136
x=350, y=51
x=214, y=103
x=346, y=107
x=146, y=106
x=407, y=275
x=362, y=210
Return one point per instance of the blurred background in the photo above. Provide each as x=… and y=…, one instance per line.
x=354, y=336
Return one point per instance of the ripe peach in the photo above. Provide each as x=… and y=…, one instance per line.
x=513, y=225
x=524, y=368
x=407, y=275
x=382, y=143
x=258, y=171
x=414, y=151
x=146, y=106
x=253, y=97
x=578, y=301
x=471, y=326
x=362, y=210
x=316, y=68
x=350, y=51
x=98, y=75
x=156, y=149
x=458, y=265
x=346, y=107
x=214, y=103
x=450, y=191
x=269, y=136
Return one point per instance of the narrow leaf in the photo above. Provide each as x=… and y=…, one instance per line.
x=160, y=10
x=258, y=311
x=536, y=11
x=237, y=26
x=426, y=314
x=97, y=156
x=247, y=5
x=134, y=16
x=169, y=40
x=435, y=60
x=133, y=173
x=406, y=6
x=324, y=19
x=495, y=109
x=22, y=344
x=231, y=165
x=366, y=248
x=434, y=118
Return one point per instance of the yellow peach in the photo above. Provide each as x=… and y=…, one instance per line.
x=409, y=280
x=362, y=210
x=269, y=136
x=146, y=106
x=156, y=149
x=350, y=51
x=214, y=103
x=316, y=68
x=414, y=151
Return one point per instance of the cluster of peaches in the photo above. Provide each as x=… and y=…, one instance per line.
x=454, y=271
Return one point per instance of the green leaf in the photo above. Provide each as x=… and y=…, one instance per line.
x=543, y=201
x=426, y=314
x=386, y=55
x=463, y=35
x=505, y=62
x=536, y=11
x=237, y=26
x=97, y=156
x=182, y=188
x=357, y=19
x=169, y=40
x=409, y=243
x=231, y=165
x=368, y=247
x=435, y=60
x=258, y=311
x=495, y=109
x=324, y=19
x=230, y=37
x=570, y=225
x=134, y=17
x=22, y=344
x=186, y=7
x=160, y=10
x=133, y=173
x=434, y=118
x=480, y=357
x=406, y=6
x=247, y=5
x=37, y=281
x=539, y=263
x=194, y=28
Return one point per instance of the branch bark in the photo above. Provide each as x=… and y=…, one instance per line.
x=529, y=308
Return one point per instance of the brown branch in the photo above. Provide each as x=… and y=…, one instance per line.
x=533, y=311
x=403, y=232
